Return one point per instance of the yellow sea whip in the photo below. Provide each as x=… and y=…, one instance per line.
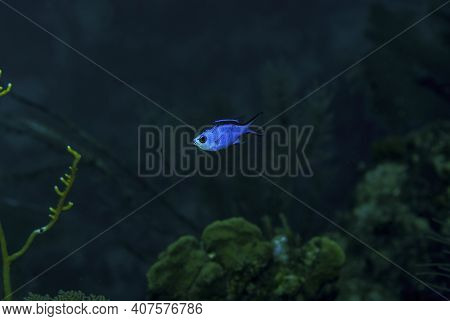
x=4, y=91
x=61, y=206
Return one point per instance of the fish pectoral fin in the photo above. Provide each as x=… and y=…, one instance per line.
x=237, y=141
x=217, y=141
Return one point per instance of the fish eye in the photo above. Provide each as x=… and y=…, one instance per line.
x=202, y=139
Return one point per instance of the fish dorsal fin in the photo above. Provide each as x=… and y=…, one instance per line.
x=233, y=121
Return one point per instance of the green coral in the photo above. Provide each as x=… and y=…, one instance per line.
x=322, y=259
x=239, y=248
x=236, y=244
x=288, y=285
x=233, y=261
x=195, y=271
x=65, y=296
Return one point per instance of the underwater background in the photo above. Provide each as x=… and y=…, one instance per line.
x=380, y=150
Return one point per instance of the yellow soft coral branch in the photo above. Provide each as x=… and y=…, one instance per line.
x=61, y=206
x=3, y=92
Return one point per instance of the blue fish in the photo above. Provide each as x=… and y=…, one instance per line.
x=224, y=133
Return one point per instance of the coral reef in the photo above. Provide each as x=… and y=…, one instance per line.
x=183, y=270
x=65, y=296
x=234, y=261
x=401, y=210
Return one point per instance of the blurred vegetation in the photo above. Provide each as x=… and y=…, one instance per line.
x=402, y=209
x=408, y=79
x=402, y=200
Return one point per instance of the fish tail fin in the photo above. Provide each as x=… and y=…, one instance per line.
x=249, y=122
x=259, y=131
